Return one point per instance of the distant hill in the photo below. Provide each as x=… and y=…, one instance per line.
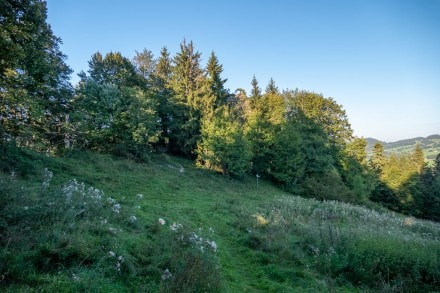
x=429, y=144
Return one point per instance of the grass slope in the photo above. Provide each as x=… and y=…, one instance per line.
x=220, y=235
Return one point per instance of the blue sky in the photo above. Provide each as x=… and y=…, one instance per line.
x=379, y=59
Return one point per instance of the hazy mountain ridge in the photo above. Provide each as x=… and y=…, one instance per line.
x=429, y=144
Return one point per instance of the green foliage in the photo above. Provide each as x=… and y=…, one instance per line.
x=33, y=78
x=186, y=82
x=111, y=113
x=223, y=146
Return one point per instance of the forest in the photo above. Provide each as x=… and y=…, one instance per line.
x=175, y=105
x=298, y=139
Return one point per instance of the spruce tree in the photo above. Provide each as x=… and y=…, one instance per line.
x=378, y=159
x=161, y=88
x=256, y=91
x=187, y=83
x=271, y=87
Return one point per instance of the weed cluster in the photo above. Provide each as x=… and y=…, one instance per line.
x=74, y=238
x=348, y=243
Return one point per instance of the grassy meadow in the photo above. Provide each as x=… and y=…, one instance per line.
x=92, y=223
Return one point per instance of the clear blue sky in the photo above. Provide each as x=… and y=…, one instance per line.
x=379, y=59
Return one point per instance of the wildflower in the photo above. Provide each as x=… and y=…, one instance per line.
x=112, y=230
x=26, y=208
x=212, y=244
x=139, y=196
x=132, y=219
x=162, y=221
x=112, y=254
x=103, y=222
x=111, y=200
x=75, y=277
x=174, y=227
x=166, y=275
x=47, y=177
x=116, y=208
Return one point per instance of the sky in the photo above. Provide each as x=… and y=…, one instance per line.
x=379, y=59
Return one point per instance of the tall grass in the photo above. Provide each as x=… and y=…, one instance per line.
x=75, y=238
x=343, y=242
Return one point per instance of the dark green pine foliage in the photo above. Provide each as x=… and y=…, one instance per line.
x=34, y=79
x=222, y=146
x=271, y=87
x=256, y=91
x=160, y=86
x=187, y=82
x=216, y=84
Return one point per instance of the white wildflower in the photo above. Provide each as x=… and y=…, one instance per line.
x=119, y=262
x=174, y=227
x=166, y=275
x=75, y=277
x=47, y=177
x=103, y=222
x=139, y=196
x=212, y=244
x=162, y=221
x=112, y=230
x=26, y=208
x=132, y=219
x=112, y=254
x=116, y=208
x=111, y=200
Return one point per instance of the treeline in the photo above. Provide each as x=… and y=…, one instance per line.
x=299, y=140
x=406, y=183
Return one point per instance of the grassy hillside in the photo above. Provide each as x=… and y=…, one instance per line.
x=89, y=222
x=429, y=144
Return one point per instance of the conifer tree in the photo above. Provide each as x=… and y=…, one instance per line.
x=215, y=82
x=418, y=158
x=161, y=77
x=256, y=91
x=378, y=159
x=271, y=87
x=187, y=83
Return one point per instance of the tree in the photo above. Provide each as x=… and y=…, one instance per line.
x=113, y=68
x=216, y=84
x=114, y=112
x=324, y=112
x=144, y=63
x=161, y=78
x=256, y=91
x=266, y=116
x=187, y=83
x=271, y=87
x=418, y=158
x=378, y=159
x=223, y=147
x=34, y=79
x=289, y=161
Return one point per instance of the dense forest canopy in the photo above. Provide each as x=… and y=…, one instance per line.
x=297, y=139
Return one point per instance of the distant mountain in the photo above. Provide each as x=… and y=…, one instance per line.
x=429, y=144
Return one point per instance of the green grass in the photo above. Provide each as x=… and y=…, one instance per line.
x=64, y=236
